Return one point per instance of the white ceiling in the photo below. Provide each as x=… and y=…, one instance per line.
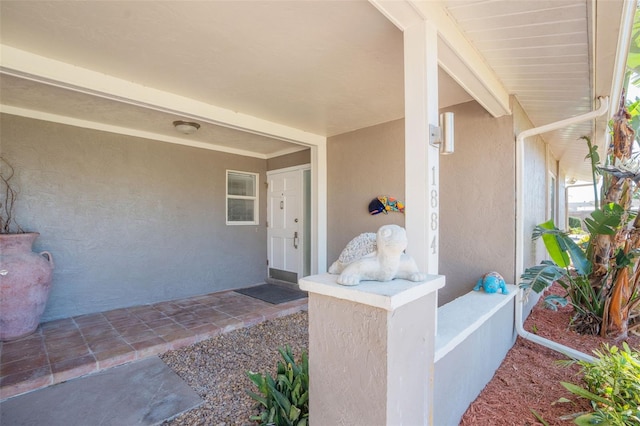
x=543, y=52
x=321, y=67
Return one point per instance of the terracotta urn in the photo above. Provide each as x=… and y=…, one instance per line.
x=25, y=280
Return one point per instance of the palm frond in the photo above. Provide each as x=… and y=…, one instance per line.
x=539, y=277
x=551, y=236
x=561, y=248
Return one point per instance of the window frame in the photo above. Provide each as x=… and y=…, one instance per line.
x=255, y=198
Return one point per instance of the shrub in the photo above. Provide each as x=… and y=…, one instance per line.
x=285, y=399
x=613, y=386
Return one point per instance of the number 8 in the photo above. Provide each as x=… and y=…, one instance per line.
x=434, y=198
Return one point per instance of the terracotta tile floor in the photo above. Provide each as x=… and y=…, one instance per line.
x=68, y=348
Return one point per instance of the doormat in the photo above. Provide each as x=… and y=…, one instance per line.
x=272, y=293
x=144, y=392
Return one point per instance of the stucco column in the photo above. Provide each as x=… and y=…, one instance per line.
x=319, y=208
x=371, y=351
x=422, y=166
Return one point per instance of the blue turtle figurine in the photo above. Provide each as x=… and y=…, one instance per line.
x=492, y=282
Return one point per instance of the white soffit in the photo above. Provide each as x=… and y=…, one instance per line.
x=463, y=61
x=555, y=56
x=549, y=55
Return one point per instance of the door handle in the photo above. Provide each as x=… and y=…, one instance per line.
x=295, y=239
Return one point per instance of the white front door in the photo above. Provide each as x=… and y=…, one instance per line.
x=284, y=215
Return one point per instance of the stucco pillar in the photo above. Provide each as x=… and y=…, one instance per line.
x=371, y=351
x=422, y=166
x=319, y=208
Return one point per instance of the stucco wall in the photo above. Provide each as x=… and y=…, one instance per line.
x=462, y=373
x=129, y=220
x=289, y=160
x=477, y=201
x=379, y=356
x=562, y=200
x=536, y=172
x=362, y=165
x=330, y=320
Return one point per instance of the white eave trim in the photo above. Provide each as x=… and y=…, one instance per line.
x=456, y=55
x=620, y=63
x=27, y=65
x=400, y=12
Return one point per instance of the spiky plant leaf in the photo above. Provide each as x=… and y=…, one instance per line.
x=287, y=355
x=284, y=381
x=286, y=398
x=590, y=419
x=280, y=399
x=577, y=390
x=258, y=380
x=294, y=413
x=304, y=398
x=553, y=301
x=262, y=400
x=270, y=382
x=539, y=277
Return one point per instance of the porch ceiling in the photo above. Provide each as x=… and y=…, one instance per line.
x=288, y=71
x=555, y=56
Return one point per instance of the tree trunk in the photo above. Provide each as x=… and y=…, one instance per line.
x=616, y=190
x=613, y=279
x=617, y=318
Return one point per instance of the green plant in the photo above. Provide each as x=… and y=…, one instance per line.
x=569, y=267
x=613, y=386
x=285, y=399
x=575, y=222
x=601, y=275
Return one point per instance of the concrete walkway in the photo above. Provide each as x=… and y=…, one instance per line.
x=143, y=392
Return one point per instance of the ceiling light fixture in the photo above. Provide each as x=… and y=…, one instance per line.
x=186, y=127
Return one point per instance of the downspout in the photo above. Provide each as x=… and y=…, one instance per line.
x=604, y=106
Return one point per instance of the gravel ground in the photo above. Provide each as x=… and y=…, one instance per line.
x=215, y=368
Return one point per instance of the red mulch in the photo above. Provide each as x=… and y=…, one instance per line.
x=529, y=378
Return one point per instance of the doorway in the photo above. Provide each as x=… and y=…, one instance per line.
x=288, y=223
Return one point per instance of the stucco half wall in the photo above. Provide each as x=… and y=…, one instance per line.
x=462, y=373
